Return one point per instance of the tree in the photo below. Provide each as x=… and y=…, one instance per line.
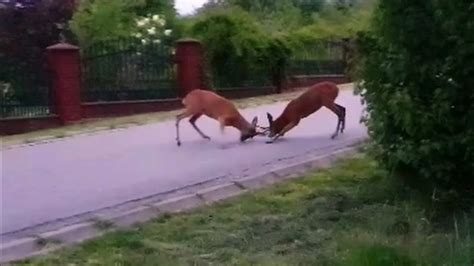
x=99, y=20
x=31, y=27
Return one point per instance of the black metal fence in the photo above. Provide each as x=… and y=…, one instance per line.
x=127, y=69
x=25, y=91
x=321, y=58
x=236, y=73
x=230, y=76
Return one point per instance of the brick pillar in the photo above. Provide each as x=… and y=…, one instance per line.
x=189, y=58
x=64, y=61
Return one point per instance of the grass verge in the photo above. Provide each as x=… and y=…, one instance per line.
x=348, y=215
x=94, y=125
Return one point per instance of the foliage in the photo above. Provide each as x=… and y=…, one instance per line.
x=418, y=83
x=233, y=39
x=152, y=29
x=332, y=23
x=165, y=7
x=31, y=28
x=101, y=20
x=261, y=6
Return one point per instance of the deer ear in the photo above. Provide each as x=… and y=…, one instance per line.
x=270, y=118
x=254, y=121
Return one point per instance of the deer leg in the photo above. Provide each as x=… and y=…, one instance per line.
x=222, y=124
x=180, y=117
x=192, y=120
x=343, y=111
x=283, y=131
x=333, y=107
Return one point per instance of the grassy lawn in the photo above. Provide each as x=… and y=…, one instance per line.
x=133, y=120
x=347, y=215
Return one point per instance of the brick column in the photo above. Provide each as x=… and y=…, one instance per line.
x=189, y=58
x=65, y=65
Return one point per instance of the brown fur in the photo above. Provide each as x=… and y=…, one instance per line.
x=318, y=95
x=202, y=102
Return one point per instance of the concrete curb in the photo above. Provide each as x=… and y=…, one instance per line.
x=69, y=235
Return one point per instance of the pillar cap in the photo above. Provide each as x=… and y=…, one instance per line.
x=188, y=40
x=62, y=46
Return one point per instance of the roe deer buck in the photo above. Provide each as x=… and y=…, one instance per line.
x=318, y=95
x=202, y=102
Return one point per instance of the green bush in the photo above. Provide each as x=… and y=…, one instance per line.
x=376, y=256
x=236, y=48
x=418, y=80
x=103, y=20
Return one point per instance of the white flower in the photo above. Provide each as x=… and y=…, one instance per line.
x=146, y=20
x=156, y=41
x=156, y=17
x=140, y=23
x=6, y=87
x=152, y=31
x=162, y=22
x=138, y=35
x=168, y=32
x=144, y=41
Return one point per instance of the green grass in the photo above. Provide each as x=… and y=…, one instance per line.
x=351, y=214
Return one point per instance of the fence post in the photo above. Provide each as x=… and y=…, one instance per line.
x=190, y=61
x=346, y=57
x=64, y=62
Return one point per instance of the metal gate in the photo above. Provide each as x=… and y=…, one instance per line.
x=128, y=70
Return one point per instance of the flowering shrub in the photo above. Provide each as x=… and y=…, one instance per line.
x=151, y=29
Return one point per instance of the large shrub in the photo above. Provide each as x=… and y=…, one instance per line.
x=236, y=48
x=101, y=20
x=418, y=76
x=26, y=30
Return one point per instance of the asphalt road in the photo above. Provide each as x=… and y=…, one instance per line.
x=47, y=182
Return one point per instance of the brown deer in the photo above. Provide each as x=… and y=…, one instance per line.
x=203, y=102
x=318, y=95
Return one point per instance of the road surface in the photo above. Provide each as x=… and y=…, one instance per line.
x=69, y=177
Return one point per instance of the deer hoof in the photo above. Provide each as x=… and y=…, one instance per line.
x=178, y=143
x=269, y=141
x=207, y=137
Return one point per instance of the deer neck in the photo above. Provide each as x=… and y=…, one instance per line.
x=280, y=123
x=240, y=123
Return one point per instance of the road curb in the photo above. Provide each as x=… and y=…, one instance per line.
x=69, y=235
x=221, y=192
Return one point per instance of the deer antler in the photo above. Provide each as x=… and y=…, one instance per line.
x=265, y=130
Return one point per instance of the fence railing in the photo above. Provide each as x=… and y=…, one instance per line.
x=232, y=75
x=321, y=58
x=126, y=69
x=25, y=91
x=316, y=67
